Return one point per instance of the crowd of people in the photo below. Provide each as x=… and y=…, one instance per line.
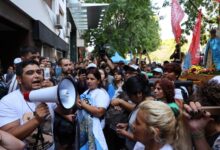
x=135, y=106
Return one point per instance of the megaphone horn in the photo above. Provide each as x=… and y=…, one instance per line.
x=64, y=94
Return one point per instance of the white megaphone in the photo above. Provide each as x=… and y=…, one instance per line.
x=64, y=94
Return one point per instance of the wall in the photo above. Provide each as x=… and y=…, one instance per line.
x=39, y=10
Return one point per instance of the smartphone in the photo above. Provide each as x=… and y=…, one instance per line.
x=214, y=110
x=46, y=73
x=58, y=71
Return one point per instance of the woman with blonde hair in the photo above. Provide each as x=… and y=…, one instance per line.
x=158, y=127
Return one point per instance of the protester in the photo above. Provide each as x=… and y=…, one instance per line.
x=28, y=121
x=116, y=114
x=131, y=70
x=156, y=126
x=104, y=79
x=176, y=56
x=115, y=88
x=92, y=104
x=22, y=118
x=10, y=73
x=137, y=89
x=157, y=72
x=172, y=71
x=26, y=54
x=197, y=121
x=212, y=51
x=67, y=68
x=65, y=139
x=164, y=90
x=205, y=127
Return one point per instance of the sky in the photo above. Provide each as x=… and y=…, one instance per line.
x=165, y=23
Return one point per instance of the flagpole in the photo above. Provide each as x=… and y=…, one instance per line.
x=205, y=19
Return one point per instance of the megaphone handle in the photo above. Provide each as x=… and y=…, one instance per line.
x=26, y=95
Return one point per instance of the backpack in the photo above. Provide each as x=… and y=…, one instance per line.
x=114, y=116
x=184, y=94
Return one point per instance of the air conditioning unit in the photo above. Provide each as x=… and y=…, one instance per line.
x=68, y=25
x=59, y=21
x=68, y=33
x=68, y=29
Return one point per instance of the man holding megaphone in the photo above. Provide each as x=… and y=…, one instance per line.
x=31, y=121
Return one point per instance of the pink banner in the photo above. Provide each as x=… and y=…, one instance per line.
x=177, y=15
x=194, y=48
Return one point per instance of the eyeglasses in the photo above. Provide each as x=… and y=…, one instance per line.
x=31, y=72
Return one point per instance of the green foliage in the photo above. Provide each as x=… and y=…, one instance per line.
x=128, y=25
x=210, y=10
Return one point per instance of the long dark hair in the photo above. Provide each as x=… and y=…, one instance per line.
x=137, y=84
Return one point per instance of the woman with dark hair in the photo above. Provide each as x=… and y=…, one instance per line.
x=137, y=89
x=92, y=106
x=115, y=87
x=104, y=78
x=172, y=71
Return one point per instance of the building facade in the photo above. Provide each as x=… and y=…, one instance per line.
x=44, y=24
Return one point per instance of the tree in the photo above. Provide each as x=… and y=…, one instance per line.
x=210, y=10
x=128, y=25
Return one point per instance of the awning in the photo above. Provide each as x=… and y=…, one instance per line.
x=87, y=15
x=45, y=35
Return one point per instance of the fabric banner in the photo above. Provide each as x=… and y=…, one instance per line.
x=194, y=48
x=177, y=15
x=217, y=1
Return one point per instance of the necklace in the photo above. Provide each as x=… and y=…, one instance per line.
x=29, y=107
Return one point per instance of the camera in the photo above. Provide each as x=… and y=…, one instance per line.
x=102, y=51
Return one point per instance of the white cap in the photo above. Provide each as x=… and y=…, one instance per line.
x=17, y=60
x=131, y=67
x=135, y=67
x=159, y=70
x=91, y=65
x=216, y=78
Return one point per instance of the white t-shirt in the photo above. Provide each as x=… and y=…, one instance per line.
x=13, y=107
x=140, y=146
x=99, y=98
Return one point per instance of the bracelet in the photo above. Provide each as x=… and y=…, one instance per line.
x=198, y=135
